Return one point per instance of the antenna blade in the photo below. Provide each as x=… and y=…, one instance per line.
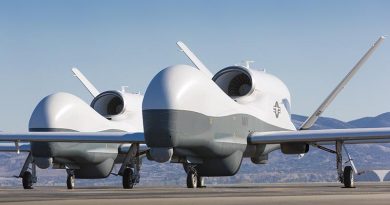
x=195, y=60
x=90, y=87
x=314, y=117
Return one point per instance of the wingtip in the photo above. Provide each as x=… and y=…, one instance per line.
x=179, y=43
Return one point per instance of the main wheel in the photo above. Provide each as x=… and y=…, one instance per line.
x=348, y=177
x=27, y=180
x=192, y=179
x=128, y=178
x=70, y=181
x=200, y=182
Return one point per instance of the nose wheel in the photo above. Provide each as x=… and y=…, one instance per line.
x=131, y=166
x=193, y=178
x=128, y=178
x=70, y=180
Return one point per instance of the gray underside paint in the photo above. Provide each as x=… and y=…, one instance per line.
x=95, y=160
x=218, y=141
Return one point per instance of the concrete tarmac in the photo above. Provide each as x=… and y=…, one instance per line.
x=317, y=193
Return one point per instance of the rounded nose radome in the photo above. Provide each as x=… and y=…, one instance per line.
x=171, y=89
x=177, y=98
x=65, y=112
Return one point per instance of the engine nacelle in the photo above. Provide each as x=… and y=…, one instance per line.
x=249, y=86
x=117, y=105
x=294, y=148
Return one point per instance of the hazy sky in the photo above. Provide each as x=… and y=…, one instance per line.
x=310, y=45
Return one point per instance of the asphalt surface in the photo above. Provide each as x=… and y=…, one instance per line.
x=318, y=194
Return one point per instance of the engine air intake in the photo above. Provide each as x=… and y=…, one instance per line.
x=235, y=81
x=108, y=103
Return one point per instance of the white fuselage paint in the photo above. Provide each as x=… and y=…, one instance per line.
x=179, y=94
x=190, y=117
x=66, y=112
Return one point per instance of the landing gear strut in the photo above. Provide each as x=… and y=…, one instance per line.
x=28, y=178
x=346, y=176
x=131, y=167
x=70, y=180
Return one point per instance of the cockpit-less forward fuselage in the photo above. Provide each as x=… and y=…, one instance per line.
x=209, y=123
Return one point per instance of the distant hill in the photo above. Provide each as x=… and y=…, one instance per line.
x=322, y=123
x=382, y=120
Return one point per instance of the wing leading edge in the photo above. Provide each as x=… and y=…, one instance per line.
x=349, y=136
x=88, y=137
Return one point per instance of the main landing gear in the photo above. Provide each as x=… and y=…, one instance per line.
x=193, y=179
x=346, y=175
x=131, y=167
x=28, y=178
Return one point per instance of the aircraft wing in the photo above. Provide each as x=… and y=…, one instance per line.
x=349, y=136
x=88, y=137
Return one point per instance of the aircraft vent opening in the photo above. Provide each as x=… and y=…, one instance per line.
x=108, y=104
x=235, y=81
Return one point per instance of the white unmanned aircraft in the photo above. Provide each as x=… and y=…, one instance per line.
x=109, y=111
x=209, y=123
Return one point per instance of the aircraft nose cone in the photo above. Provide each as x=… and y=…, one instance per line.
x=174, y=90
x=160, y=100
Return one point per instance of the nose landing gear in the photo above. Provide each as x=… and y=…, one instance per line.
x=70, y=180
x=128, y=178
x=131, y=166
x=193, y=178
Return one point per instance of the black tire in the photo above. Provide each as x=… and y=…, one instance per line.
x=200, y=182
x=70, y=181
x=348, y=177
x=192, y=180
x=128, y=178
x=27, y=180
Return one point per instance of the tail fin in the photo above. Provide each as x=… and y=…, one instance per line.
x=90, y=87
